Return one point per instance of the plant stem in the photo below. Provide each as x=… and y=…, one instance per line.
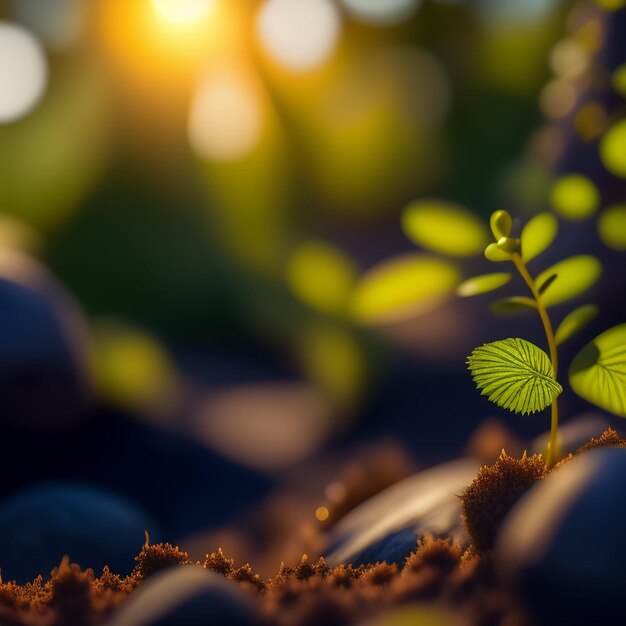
x=551, y=454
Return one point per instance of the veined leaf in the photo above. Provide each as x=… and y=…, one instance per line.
x=537, y=235
x=575, y=276
x=598, y=373
x=444, y=227
x=514, y=374
x=493, y=253
x=482, y=284
x=574, y=322
x=514, y=304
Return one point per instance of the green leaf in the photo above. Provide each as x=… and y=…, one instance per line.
x=514, y=304
x=538, y=234
x=514, y=374
x=493, y=253
x=510, y=245
x=501, y=224
x=482, y=284
x=598, y=373
x=444, y=227
x=574, y=322
x=544, y=285
x=575, y=276
x=402, y=288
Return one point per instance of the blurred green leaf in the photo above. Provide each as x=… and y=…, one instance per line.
x=537, y=235
x=482, y=284
x=575, y=321
x=493, y=253
x=613, y=149
x=444, y=227
x=612, y=226
x=514, y=374
x=575, y=276
x=403, y=287
x=546, y=283
x=575, y=197
x=598, y=373
x=514, y=304
x=321, y=275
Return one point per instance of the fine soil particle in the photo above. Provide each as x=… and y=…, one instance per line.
x=304, y=594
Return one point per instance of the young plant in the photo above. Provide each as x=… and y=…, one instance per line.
x=518, y=375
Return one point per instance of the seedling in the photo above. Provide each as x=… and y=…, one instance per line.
x=516, y=374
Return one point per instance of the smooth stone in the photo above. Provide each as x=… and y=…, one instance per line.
x=563, y=544
x=185, y=487
x=387, y=526
x=187, y=596
x=43, y=347
x=39, y=525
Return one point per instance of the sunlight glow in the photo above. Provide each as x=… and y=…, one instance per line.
x=299, y=34
x=226, y=119
x=23, y=72
x=182, y=11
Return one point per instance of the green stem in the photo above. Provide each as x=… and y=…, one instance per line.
x=551, y=454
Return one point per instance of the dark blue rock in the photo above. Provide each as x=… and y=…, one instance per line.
x=43, y=379
x=184, y=486
x=187, y=596
x=563, y=544
x=40, y=525
x=386, y=527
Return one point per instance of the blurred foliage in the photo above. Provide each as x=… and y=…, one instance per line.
x=183, y=176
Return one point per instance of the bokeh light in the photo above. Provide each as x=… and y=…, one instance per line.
x=226, y=118
x=591, y=121
x=558, y=98
x=618, y=79
x=23, y=72
x=612, y=226
x=321, y=276
x=575, y=197
x=613, y=149
x=381, y=13
x=299, y=34
x=265, y=426
x=182, y=11
x=569, y=59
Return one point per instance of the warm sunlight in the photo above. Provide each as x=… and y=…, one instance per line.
x=182, y=11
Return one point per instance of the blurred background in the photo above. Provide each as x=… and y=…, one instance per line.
x=196, y=200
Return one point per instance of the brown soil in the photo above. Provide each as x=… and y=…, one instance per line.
x=310, y=592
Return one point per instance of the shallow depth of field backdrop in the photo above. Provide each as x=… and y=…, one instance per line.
x=190, y=193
